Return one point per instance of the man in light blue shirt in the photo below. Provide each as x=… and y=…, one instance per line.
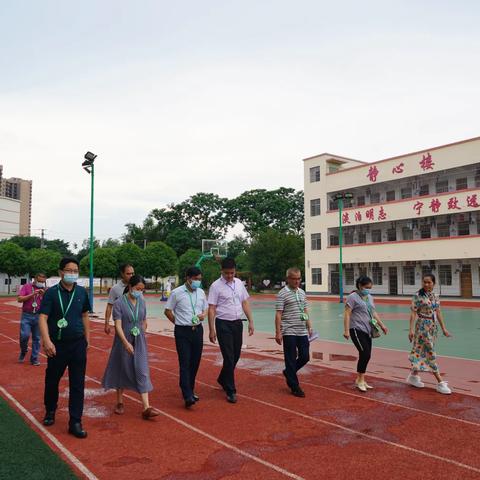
x=187, y=308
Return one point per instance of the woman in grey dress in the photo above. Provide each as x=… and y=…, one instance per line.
x=127, y=366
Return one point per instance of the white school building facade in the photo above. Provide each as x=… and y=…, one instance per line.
x=409, y=214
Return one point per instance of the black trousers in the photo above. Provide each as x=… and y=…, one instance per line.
x=230, y=337
x=363, y=342
x=189, y=343
x=296, y=350
x=71, y=354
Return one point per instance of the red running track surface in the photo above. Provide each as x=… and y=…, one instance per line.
x=392, y=432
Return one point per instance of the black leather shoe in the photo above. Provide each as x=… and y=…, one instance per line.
x=49, y=419
x=76, y=430
x=298, y=392
x=189, y=402
x=196, y=397
x=232, y=398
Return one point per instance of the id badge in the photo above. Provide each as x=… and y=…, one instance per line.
x=195, y=320
x=304, y=316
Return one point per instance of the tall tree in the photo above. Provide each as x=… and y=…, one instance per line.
x=272, y=253
x=280, y=209
x=130, y=253
x=44, y=261
x=104, y=264
x=85, y=250
x=159, y=260
x=13, y=260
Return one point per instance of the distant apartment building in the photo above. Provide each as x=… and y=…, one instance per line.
x=411, y=214
x=21, y=191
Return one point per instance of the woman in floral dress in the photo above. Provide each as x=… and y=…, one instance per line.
x=425, y=318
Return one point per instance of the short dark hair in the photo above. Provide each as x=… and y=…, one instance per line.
x=228, y=262
x=192, y=272
x=66, y=260
x=362, y=281
x=124, y=266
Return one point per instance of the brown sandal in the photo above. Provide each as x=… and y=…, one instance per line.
x=119, y=409
x=150, y=412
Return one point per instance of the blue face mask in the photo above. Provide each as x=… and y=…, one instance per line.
x=70, y=277
x=137, y=294
x=365, y=291
x=196, y=284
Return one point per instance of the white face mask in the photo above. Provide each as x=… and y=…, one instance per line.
x=40, y=284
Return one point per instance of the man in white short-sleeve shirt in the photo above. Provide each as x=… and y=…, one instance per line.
x=126, y=272
x=228, y=304
x=187, y=308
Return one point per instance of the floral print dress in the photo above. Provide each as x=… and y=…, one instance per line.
x=423, y=356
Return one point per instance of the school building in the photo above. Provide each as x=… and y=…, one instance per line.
x=411, y=214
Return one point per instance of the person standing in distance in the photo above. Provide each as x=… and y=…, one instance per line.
x=65, y=332
x=126, y=272
x=187, y=308
x=30, y=296
x=227, y=303
x=292, y=327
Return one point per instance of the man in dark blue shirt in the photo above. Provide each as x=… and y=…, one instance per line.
x=65, y=332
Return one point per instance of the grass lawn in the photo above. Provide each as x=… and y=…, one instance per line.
x=23, y=454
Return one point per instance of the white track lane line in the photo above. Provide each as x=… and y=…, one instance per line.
x=68, y=454
x=239, y=451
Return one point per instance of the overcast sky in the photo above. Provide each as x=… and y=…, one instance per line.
x=220, y=96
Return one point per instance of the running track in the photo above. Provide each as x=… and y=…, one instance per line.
x=394, y=432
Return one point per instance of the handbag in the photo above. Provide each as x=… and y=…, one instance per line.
x=376, y=330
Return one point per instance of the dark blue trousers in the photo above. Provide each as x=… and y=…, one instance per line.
x=189, y=343
x=230, y=338
x=297, y=354
x=71, y=354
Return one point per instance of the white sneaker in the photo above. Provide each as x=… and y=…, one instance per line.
x=415, y=381
x=442, y=387
x=369, y=387
x=361, y=386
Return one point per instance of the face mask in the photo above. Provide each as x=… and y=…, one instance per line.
x=70, y=277
x=137, y=294
x=39, y=284
x=196, y=284
x=365, y=291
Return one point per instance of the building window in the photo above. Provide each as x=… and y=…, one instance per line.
x=425, y=231
x=426, y=270
x=375, y=197
x=315, y=207
x=406, y=192
x=441, y=186
x=443, y=230
x=461, y=183
x=314, y=174
x=424, y=190
x=445, y=273
x=334, y=240
x=377, y=275
x=409, y=275
x=376, y=236
x=348, y=238
x=362, y=237
x=463, y=228
x=407, y=233
x=361, y=200
x=333, y=205
x=349, y=276
x=392, y=234
x=477, y=181
x=391, y=196
x=316, y=276
x=316, y=241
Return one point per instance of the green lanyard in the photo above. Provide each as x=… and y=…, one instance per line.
x=62, y=323
x=195, y=319
x=135, y=331
x=303, y=315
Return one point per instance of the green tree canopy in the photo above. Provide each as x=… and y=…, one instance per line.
x=42, y=260
x=31, y=242
x=188, y=259
x=130, y=253
x=272, y=253
x=104, y=264
x=13, y=260
x=159, y=260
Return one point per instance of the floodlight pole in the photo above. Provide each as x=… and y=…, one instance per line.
x=90, y=282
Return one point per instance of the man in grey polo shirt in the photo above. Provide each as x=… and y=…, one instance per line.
x=126, y=272
x=187, y=308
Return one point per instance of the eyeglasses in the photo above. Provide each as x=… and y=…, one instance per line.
x=70, y=271
x=295, y=278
